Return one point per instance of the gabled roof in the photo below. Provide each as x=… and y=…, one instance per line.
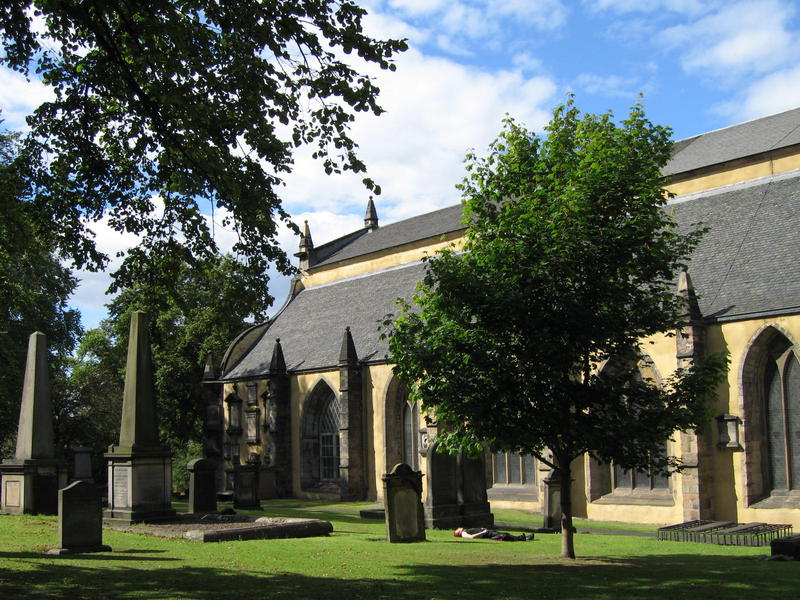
x=737, y=141
x=747, y=263
x=432, y=224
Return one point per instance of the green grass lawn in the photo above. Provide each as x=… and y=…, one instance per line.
x=356, y=562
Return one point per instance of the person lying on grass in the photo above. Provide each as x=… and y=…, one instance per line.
x=483, y=533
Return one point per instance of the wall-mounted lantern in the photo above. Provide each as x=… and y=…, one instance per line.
x=728, y=429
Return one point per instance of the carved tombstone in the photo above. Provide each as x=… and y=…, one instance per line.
x=246, y=484
x=202, y=485
x=402, y=492
x=80, y=520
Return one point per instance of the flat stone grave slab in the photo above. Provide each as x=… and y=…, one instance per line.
x=224, y=528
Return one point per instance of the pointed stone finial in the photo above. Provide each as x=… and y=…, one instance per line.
x=209, y=371
x=277, y=365
x=348, y=355
x=35, y=434
x=371, y=216
x=306, y=243
x=687, y=292
x=139, y=425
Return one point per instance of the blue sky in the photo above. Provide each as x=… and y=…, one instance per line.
x=701, y=66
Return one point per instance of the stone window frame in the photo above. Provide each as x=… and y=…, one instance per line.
x=600, y=478
x=394, y=404
x=522, y=490
x=313, y=409
x=751, y=397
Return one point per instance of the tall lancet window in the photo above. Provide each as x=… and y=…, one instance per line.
x=782, y=416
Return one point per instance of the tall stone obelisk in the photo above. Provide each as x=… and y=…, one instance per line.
x=30, y=481
x=139, y=468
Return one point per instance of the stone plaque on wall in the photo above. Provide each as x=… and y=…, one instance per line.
x=12, y=493
x=121, y=477
x=252, y=415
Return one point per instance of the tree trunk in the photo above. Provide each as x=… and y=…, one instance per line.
x=567, y=542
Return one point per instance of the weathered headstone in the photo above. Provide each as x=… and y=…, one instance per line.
x=245, y=485
x=402, y=493
x=202, y=485
x=80, y=520
x=30, y=481
x=139, y=468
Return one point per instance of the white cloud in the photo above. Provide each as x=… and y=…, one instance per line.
x=609, y=85
x=739, y=39
x=774, y=93
x=526, y=62
x=19, y=97
x=684, y=7
x=436, y=110
x=417, y=7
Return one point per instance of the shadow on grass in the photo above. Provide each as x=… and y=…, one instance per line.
x=671, y=577
x=116, y=555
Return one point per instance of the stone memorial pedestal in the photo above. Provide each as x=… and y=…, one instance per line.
x=405, y=517
x=139, y=468
x=30, y=481
x=80, y=520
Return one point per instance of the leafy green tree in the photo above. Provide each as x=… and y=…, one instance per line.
x=34, y=290
x=197, y=314
x=569, y=261
x=88, y=401
x=185, y=100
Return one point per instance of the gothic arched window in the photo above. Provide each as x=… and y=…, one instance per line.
x=320, y=438
x=781, y=406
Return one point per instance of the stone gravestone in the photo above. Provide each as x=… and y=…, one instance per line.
x=202, y=485
x=80, y=520
x=405, y=517
x=245, y=484
x=30, y=481
x=139, y=467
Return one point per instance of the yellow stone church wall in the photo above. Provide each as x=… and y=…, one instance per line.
x=729, y=468
x=736, y=171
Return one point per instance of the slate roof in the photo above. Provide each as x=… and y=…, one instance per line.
x=737, y=141
x=747, y=263
x=432, y=224
x=312, y=324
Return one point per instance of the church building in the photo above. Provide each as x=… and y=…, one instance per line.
x=309, y=399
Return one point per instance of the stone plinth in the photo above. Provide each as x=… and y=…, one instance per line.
x=80, y=520
x=31, y=486
x=402, y=492
x=139, y=486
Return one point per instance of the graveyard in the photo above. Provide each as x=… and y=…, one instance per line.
x=357, y=561
x=57, y=540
